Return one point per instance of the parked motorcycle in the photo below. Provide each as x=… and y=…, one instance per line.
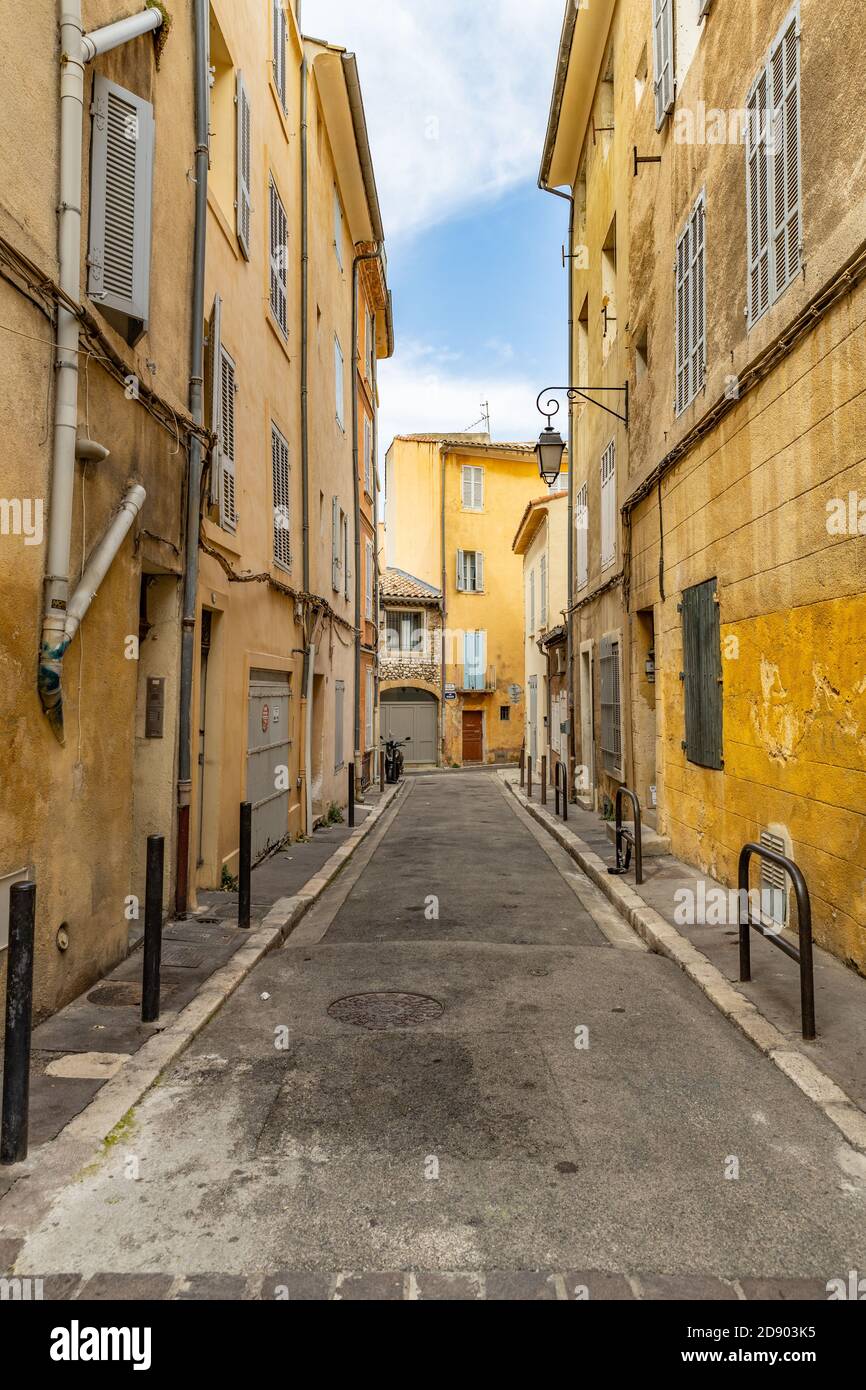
x=393, y=758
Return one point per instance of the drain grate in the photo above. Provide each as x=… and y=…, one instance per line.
x=386, y=1009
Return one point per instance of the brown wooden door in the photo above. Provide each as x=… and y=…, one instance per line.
x=473, y=741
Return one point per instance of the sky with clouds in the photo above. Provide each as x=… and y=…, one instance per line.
x=457, y=97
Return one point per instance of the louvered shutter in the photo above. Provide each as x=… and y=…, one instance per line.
x=702, y=675
x=282, y=499
x=369, y=581
x=214, y=379
x=280, y=41
x=368, y=458
x=243, y=204
x=339, y=383
x=757, y=211
x=479, y=571
x=784, y=76
x=663, y=58
x=121, y=199
x=228, y=507
x=608, y=505
x=335, y=543
x=461, y=571
x=531, y=602
x=581, y=522
x=478, y=488
x=542, y=580
x=467, y=486
x=683, y=324
x=279, y=234
x=697, y=290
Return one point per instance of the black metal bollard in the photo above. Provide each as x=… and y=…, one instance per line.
x=544, y=780
x=351, y=796
x=152, y=930
x=382, y=771
x=522, y=768
x=529, y=778
x=19, y=1016
x=245, y=864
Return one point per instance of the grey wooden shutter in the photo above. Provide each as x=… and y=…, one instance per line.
x=683, y=324
x=479, y=571
x=663, y=58
x=542, y=580
x=531, y=601
x=121, y=200
x=279, y=239
x=335, y=543
x=280, y=41
x=243, y=202
x=478, y=488
x=611, y=714
x=214, y=379
x=702, y=675
x=757, y=211
x=698, y=289
x=228, y=384
x=784, y=76
x=461, y=571
x=467, y=486
x=282, y=498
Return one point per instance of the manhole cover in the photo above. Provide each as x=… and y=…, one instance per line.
x=117, y=992
x=175, y=953
x=388, y=1009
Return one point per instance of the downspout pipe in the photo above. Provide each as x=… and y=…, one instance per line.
x=76, y=50
x=100, y=559
x=569, y=616
x=442, y=669
x=193, y=496
x=358, y=258
x=309, y=615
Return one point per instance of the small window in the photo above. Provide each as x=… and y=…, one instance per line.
x=641, y=354
x=473, y=488
x=505, y=714
x=339, y=384
x=608, y=505
x=404, y=632
x=279, y=230
x=470, y=571
x=338, y=228
x=282, y=499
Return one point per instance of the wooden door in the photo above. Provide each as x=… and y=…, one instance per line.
x=473, y=736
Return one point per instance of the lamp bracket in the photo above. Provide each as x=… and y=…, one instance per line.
x=572, y=393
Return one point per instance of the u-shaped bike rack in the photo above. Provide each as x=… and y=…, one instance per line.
x=629, y=838
x=563, y=791
x=803, y=956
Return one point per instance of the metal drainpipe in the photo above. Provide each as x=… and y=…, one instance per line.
x=376, y=612
x=569, y=615
x=309, y=617
x=356, y=499
x=193, y=500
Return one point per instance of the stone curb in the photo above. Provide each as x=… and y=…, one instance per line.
x=82, y=1141
x=665, y=940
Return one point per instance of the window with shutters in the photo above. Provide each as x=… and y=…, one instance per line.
x=702, y=675
x=474, y=660
x=121, y=199
x=774, y=220
x=339, y=384
x=608, y=505
x=338, y=228
x=470, y=571
x=691, y=339
x=663, y=58
x=531, y=604
x=581, y=528
x=243, y=203
x=368, y=457
x=472, y=488
x=226, y=442
x=339, y=719
x=279, y=257
x=280, y=39
x=542, y=590
x=282, y=499
x=368, y=576
x=611, y=709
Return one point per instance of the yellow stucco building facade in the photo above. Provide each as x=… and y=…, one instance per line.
x=719, y=197
x=451, y=504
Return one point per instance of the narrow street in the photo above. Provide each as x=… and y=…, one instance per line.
x=561, y=1108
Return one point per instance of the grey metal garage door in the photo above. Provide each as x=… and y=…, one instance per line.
x=417, y=722
x=267, y=751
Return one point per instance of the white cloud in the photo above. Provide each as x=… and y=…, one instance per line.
x=422, y=390
x=456, y=96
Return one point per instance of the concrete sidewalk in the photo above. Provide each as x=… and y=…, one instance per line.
x=87, y=1043
x=774, y=990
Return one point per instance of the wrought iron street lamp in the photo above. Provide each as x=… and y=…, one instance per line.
x=550, y=447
